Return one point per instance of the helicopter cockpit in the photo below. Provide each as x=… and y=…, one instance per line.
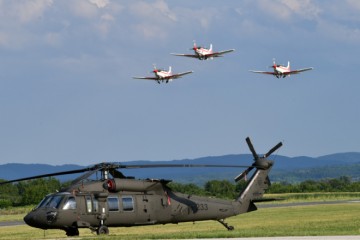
x=55, y=200
x=45, y=214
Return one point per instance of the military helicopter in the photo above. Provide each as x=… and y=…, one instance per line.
x=119, y=200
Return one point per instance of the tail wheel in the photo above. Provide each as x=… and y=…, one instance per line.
x=103, y=230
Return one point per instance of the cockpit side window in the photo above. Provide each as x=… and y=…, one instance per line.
x=70, y=203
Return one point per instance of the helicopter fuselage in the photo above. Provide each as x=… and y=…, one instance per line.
x=151, y=202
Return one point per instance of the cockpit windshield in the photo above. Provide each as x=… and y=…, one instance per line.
x=52, y=201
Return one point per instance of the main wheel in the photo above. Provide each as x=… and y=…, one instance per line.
x=103, y=230
x=72, y=231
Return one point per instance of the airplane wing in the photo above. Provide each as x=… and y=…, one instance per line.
x=300, y=70
x=185, y=55
x=179, y=75
x=146, y=78
x=218, y=54
x=271, y=73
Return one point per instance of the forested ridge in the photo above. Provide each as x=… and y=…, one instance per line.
x=31, y=192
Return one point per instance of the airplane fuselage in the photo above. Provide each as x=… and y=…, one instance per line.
x=162, y=74
x=203, y=53
x=281, y=71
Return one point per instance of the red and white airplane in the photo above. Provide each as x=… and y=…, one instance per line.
x=164, y=76
x=203, y=53
x=281, y=71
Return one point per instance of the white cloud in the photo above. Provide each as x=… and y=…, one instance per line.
x=150, y=31
x=100, y=3
x=4, y=39
x=305, y=8
x=24, y=11
x=354, y=4
x=53, y=39
x=340, y=32
x=105, y=23
x=153, y=18
x=288, y=9
x=83, y=8
x=153, y=11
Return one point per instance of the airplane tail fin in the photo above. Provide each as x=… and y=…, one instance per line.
x=274, y=64
x=210, y=47
x=259, y=181
x=288, y=66
x=170, y=71
x=194, y=46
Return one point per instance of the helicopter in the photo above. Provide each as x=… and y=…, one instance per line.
x=116, y=200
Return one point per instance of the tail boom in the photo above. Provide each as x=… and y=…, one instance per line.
x=254, y=190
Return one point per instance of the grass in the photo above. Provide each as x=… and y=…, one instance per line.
x=334, y=219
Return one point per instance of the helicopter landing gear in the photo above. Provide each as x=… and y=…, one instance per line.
x=230, y=228
x=102, y=230
x=72, y=232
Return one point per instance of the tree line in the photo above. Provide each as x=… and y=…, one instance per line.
x=32, y=192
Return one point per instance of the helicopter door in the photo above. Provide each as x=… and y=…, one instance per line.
x=144, y=210
x=69, y=209
x=89, y=209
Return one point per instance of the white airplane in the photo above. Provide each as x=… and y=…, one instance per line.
x=281, y=71
x=164, y=76
x=202, y=53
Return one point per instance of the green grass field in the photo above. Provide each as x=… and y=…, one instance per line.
x=315, y=220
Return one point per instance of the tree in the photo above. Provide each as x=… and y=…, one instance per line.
x=222, y=189
x=32, y=192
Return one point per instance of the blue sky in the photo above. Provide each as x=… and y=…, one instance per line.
x=67, y=93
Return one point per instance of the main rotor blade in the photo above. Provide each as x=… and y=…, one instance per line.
x=116, y=174
x=273, y=150
x=252, y=149
x=179, y=166
x=49, y=175
x=83, y=176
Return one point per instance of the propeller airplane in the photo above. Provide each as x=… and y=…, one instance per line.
x=164, y=76
x=203, y=53
x=281, y=71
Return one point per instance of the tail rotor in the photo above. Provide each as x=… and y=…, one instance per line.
x=259, y=162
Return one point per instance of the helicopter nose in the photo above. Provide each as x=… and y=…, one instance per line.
x=30, y=219
x=35, y=219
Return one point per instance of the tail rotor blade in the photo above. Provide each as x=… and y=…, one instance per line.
x=273, y=150
x=252, y=149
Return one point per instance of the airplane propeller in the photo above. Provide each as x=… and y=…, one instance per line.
x=259, y=162
x=155, y=69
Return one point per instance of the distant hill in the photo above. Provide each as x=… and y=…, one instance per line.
x=288, y=169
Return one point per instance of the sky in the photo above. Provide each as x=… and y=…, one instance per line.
x=67, y=95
